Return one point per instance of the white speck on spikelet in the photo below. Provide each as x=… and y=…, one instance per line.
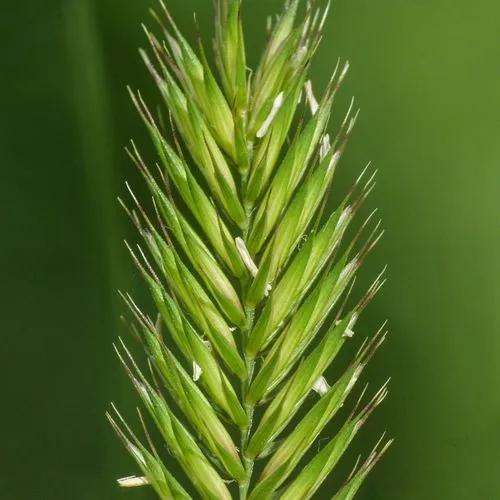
x=278, y=102
x=311, y=99
x=348, y=333
x=132, y=481
x=321, y=386
x=197, y=371
x=246, y=257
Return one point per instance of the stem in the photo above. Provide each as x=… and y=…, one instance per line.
x=248, y=463
x=245, y=433
x=249, y=409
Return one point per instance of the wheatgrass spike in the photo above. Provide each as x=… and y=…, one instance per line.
x=250, y=260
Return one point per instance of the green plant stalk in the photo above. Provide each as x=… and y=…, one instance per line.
x=248, y=463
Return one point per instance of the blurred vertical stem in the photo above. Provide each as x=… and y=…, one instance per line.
x=249, y=409
x=95, y=129
x=93, y=123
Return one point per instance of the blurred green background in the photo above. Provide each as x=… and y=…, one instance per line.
x=427, y=77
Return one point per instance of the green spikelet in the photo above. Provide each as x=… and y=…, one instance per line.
x=251, y=277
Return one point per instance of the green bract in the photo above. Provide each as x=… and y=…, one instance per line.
x=251, y=275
